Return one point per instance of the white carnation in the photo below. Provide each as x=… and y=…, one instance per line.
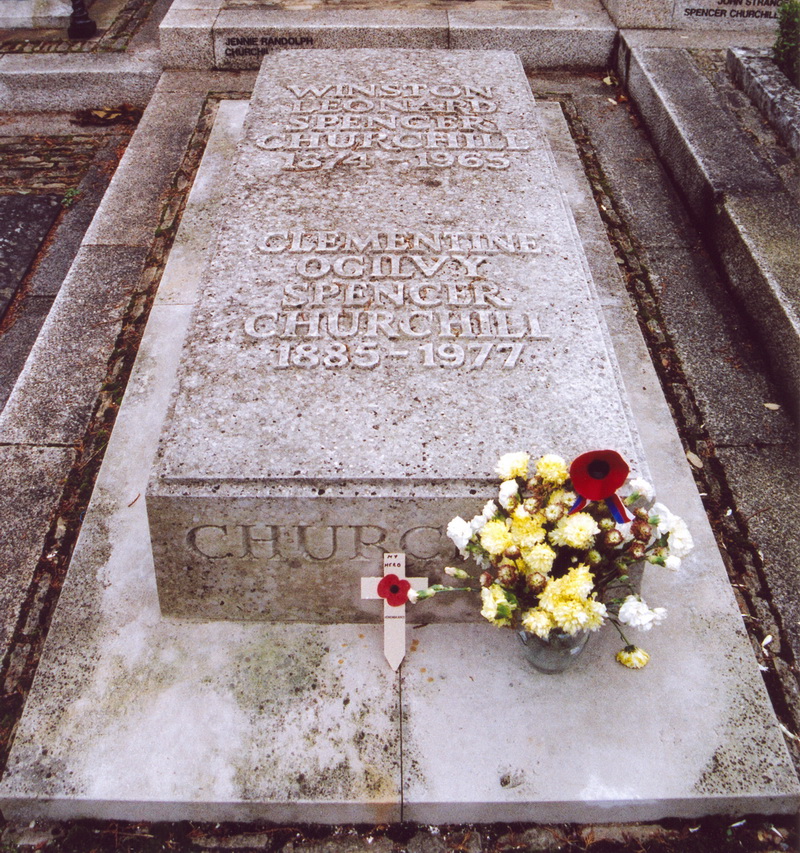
x=508, y=491
x=680, y=540
x=477, y=523
x=637, y=614
x=490, y=510
x=637, y=484
x=460, y=532
x=672, y=562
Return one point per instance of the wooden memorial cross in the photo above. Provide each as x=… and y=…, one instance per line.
x=393, y=588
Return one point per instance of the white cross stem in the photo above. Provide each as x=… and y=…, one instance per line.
x=394, y=618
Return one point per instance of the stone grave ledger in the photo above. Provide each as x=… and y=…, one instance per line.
x=396, y=298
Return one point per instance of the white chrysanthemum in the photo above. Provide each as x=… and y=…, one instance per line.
x=512, y=465
x=637, y=614
x=672, y=562
x=508, y=495
x=489, y=510
x=553, y=512
x=460, y=532
x=575, y=531
x=642, y=487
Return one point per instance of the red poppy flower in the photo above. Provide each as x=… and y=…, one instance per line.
x=598, y=474
x=394, y=590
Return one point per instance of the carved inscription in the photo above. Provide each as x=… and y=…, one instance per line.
x=364, y=297
x=413, y=125
x=735, y=10
x=261, y=46
x=319, y=544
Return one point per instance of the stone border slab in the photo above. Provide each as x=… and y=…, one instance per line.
x=58, y=82
x=740, y=204
x=160, y=719
x=17, y=14
x=32, y=481
x=54, y=395
x=770, y=90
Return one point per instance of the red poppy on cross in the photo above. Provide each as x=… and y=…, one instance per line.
x=393, y=588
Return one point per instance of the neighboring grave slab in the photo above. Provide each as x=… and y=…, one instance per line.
x=694, y=14
x=396, y=299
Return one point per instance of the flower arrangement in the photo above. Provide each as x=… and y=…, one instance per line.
x=556, y=546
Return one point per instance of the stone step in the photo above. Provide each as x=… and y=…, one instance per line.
x=205, y=34
x=134, y=716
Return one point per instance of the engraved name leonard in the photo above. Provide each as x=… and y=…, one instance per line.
x=363, y=297
x=417, y=125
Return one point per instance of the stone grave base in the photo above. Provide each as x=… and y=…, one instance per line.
x=134, y=716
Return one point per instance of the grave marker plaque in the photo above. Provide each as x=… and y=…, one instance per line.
x=397, y=298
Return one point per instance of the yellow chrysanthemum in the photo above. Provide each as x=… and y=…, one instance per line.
x=570, y=615
x=552, y=469
x=496, y=606
x=596, y=612
x=538, y=621
x=571, y=603
x=539, y=558
x=512, y=465
x=633, y=657
x=528, y=531
x=495, y=537
x=575, y=531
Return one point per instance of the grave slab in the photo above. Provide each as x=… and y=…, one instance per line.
x=434, y=305
x=693, y=14
x=114, y=669
x=140, y=718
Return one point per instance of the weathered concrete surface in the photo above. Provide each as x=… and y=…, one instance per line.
x=25, y=222
x=316, y=364
x=140, y=674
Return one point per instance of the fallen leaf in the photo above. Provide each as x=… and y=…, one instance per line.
x=611, y=101
x=608, y=81
x=773, y=407
x=694, y=459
